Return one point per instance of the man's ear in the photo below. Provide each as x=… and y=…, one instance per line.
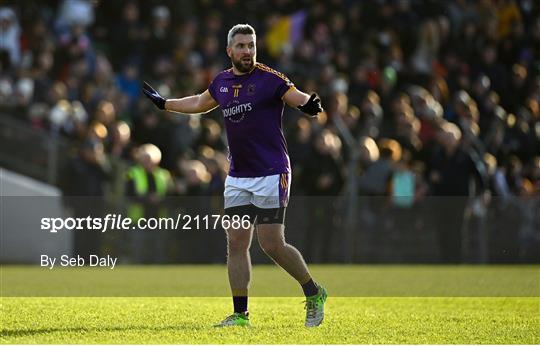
x=229, y=51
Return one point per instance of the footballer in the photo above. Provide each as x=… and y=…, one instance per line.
x=252, y=96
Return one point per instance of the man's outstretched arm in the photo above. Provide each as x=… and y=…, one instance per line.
x=310, y=105
x=195, y=104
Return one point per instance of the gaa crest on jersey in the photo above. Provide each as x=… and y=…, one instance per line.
x=250, y=90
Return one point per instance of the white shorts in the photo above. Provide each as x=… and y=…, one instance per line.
x=263, y=192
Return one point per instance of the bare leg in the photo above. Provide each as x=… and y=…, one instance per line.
x=272, y=240
x=238, y=260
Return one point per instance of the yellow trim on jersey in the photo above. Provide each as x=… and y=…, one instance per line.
x=284, y=181
x=265, y=68
x=292, y=87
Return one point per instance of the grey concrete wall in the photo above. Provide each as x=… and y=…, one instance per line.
x=24, y=202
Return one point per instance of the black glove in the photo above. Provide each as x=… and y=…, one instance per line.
x=313, y=106
x=153, y=95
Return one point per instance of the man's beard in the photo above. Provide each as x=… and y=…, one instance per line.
x=241, y=67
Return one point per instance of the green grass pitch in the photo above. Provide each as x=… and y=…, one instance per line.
x=367, y=305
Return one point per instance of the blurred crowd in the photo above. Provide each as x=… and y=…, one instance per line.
x=421, y=98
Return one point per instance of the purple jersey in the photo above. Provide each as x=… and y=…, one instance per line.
x=252, y=111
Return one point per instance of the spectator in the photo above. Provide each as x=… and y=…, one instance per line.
x=376, y=178
x=449, y=173
x=84, y=181
x=119, y=146
x=322, y=178
x=10, y=35
x=161, y=41
x=147, y=186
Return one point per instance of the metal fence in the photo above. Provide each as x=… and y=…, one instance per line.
x=32, y=152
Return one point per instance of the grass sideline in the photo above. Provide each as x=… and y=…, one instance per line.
x=394, y=304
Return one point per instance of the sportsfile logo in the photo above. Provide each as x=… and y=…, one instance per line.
x=118, y=222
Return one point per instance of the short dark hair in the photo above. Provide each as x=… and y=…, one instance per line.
x=244, y=29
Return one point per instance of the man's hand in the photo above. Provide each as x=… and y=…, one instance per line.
x=153, y=95
x=313, y=106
